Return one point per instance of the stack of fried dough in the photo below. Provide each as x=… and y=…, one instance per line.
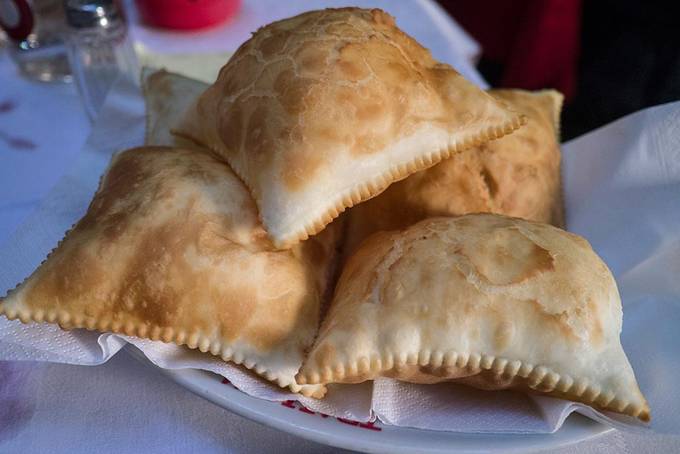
x=224, y=233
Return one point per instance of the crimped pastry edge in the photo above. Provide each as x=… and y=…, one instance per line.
x=192, y=339
x=541, y=379
x=68, y=321
x=555, y=94
x=368, y=189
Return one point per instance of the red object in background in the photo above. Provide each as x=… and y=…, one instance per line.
x=186, y=14
x=535, y=41
x=16, y=18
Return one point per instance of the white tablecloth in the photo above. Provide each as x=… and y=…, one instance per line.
x=124, y=406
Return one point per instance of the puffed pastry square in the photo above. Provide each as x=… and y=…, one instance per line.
x=485, y=300
x=321, y=111
x=171, y=249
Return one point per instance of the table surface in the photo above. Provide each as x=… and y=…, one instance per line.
x=125, y=406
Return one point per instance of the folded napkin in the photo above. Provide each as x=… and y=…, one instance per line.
x=622, y=186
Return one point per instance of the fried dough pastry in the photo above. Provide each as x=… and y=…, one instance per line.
x=517, y=175
x=321, y=111
x=485, y=300
x=171, y=249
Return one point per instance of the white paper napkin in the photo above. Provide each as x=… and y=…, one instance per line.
x=622, y=187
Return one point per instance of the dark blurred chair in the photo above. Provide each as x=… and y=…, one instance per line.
x=609, y=58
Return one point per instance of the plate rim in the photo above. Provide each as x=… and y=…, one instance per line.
x=576, y=428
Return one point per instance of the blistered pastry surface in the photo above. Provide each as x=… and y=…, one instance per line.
x=326, y=109
x=171, y=248
x=495, y=301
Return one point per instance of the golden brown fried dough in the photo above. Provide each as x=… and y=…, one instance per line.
x=321, y=111
x=517, y=175
x=487, y=300
x=171, y=248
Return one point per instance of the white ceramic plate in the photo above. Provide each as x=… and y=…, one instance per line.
x=293, y=418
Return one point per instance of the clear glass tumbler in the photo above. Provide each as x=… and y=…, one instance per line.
x=35, y=29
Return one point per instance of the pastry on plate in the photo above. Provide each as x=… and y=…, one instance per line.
x=485, y=300
x=517, y=175
x=171, y=249
x=321, y=111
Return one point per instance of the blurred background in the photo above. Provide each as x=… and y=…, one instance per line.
x=609, y=57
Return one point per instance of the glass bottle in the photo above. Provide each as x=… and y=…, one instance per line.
x=99, y=50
